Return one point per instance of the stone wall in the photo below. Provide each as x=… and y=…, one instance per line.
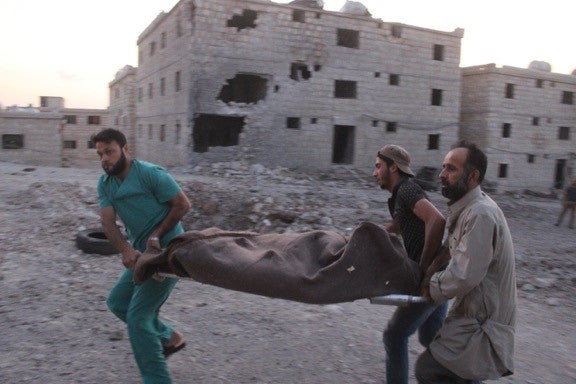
x=275, y=68
x=77, y=150
x=51, y=134
x=31, y=138
x=532, y=152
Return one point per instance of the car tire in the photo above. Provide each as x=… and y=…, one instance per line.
x=94, y=241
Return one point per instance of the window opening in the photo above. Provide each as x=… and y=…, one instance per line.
x=178, y=131
x=506, y=129
x=433, y=141
x=438, y=52
x=177, y=81
x=391, y=126
x=347, y=38
x=293, y=122
x=567, y=97
x=298, y=15
x=69, y=144
x=509, y=91
x=394, y=79
x=12, y=141
x=93, y=120
x=344, y=89
x=563, y=133
x=70, y=119
x=503, y=171
x=437, y=97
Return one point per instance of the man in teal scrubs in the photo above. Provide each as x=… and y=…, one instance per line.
x=150, y=204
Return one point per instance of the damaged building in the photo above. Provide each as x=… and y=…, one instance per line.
x=292, y=85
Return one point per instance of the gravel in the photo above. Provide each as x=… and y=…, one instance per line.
x=55, y=326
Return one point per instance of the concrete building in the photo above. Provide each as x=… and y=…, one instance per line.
x=293, y=85
x=50, y=134
x=122, y=105
x=525, y=119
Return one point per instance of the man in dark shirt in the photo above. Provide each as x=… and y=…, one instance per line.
x=421, y=226
x=568, y=204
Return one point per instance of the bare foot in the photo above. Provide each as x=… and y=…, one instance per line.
x=175, y=344
x=175, y=340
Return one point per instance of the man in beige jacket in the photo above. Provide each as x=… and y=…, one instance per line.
x=476, y=341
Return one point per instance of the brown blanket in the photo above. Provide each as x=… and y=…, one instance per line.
x=317, y=267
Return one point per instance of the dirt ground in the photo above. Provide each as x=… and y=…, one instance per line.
x=55, y=327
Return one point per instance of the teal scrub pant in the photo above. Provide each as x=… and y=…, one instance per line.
x=139, y=306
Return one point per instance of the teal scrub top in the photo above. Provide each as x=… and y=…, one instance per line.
x=141, y=201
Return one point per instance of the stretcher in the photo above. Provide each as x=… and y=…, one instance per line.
x=399, y=300
x=314, y=267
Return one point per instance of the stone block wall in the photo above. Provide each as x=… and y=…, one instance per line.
x=31, y=138
x=78, y=127
x=531, y=149
x=232, y=50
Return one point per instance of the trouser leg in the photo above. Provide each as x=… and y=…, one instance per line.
x=403, y=323
x=561, y=216
x=432, y=324
x=120, y=295
x=430, y=371
x=139, y=306
x=147, y=332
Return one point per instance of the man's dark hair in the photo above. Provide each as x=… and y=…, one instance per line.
x=109, y=135
x=476, y=159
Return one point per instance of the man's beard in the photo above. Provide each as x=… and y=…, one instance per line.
x=456, y=191
x=385, y=181
x=118, y=167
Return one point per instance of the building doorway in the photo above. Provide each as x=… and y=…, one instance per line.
x=560, y=174
x=343, y=144
x=216, y=131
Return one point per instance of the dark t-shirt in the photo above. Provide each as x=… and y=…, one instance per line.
x=406, y=194
x=571, y=194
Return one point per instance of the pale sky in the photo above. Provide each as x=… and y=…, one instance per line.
x=73, y=48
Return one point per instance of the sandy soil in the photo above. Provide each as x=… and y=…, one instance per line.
x=55, y=327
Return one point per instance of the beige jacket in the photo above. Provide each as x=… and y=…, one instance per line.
x=477, y=338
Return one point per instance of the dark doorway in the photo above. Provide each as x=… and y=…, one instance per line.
x=216, y=131
x=560, y=173
x=343, y=144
